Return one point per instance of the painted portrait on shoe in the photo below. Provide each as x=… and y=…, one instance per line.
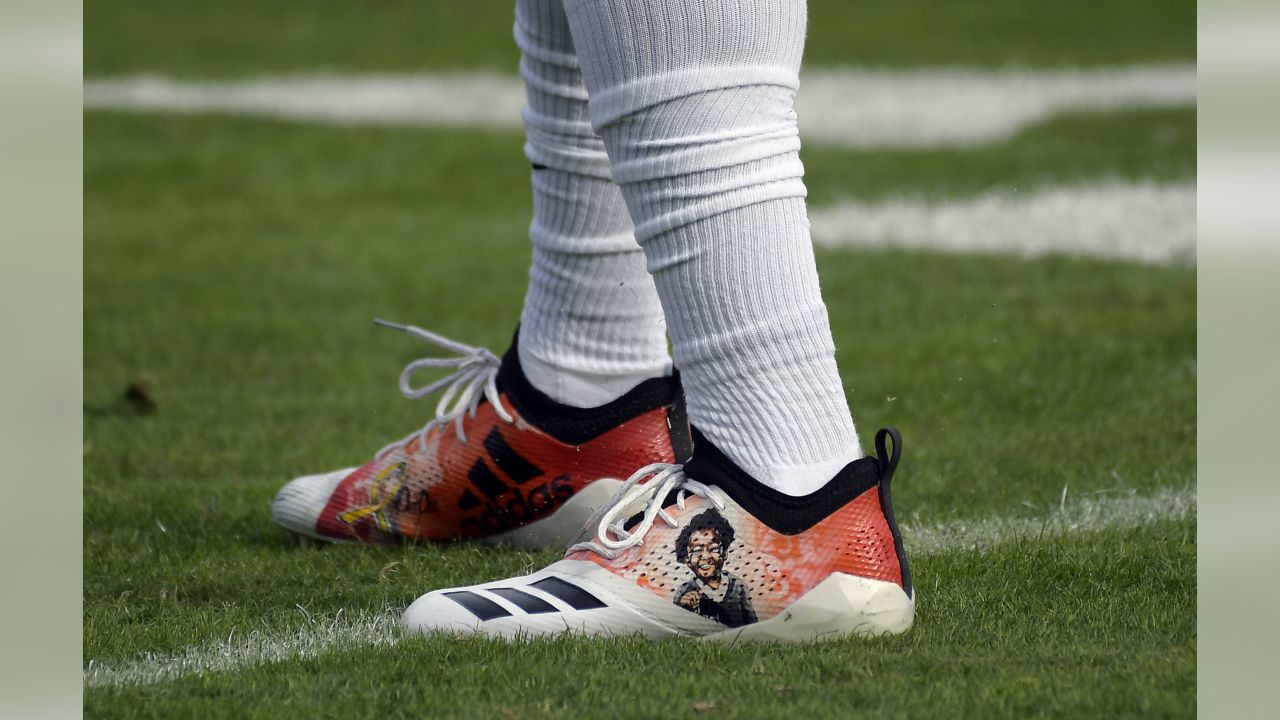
x=713, y=592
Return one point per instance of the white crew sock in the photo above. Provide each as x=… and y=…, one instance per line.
x=694, y=100
x=592, y=326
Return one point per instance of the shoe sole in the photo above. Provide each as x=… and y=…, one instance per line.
x=839, y=606
x=553, y=531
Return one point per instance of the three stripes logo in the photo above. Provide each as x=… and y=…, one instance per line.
x=508, y=504
x=485, y=608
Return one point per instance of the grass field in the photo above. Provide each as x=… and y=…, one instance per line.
x=1048, y=405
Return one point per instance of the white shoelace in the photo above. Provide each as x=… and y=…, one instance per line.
x=475, y=378
x=612, y=539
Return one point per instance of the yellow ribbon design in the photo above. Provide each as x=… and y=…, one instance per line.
x=379, y=498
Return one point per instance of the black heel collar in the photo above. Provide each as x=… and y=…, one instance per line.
x=574, y=425
x=787, y=514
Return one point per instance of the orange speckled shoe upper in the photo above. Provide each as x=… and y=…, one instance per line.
x=503, y=474
x=743, y=552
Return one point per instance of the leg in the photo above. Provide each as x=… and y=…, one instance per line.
x=695, y=105
x=523, y=449
x=774, y=529
x=592, y=326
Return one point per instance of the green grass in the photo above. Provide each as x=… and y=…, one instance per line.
x=237, y=263
x=239, y=37
x=1043, y=630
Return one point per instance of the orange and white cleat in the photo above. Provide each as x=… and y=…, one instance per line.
x=703, y=550
x=500, y=462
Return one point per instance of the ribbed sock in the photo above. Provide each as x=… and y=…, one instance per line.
x=695, y=102
x=592, y=326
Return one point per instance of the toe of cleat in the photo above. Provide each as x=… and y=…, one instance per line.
x=299, y=503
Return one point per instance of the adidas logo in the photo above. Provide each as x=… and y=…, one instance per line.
x=486, y=609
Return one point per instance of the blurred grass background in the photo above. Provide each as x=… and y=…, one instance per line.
x=239, y=37
x=234, y=264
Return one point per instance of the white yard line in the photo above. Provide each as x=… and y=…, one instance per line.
x=851, y=107
x=485, y=100
x=915, y=108
x=315, y=637
x=1090, y=514
x=1145, y=222
x=321, y=635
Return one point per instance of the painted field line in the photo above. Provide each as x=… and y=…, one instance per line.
x=1076, y=515
x=851, y=107
x=920, y=108
x=316, y=637
x=1144, y=221
x=381, y=629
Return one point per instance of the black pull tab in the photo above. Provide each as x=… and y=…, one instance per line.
x=886, y=501
x=887, y=466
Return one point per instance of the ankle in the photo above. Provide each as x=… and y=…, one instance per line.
x=575, y=425
x=584, y=387
x=800, y=480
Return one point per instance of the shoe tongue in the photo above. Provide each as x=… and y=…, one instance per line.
x=635, y=519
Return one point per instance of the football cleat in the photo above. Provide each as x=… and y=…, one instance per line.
x=703, y=550
x=500, y=462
